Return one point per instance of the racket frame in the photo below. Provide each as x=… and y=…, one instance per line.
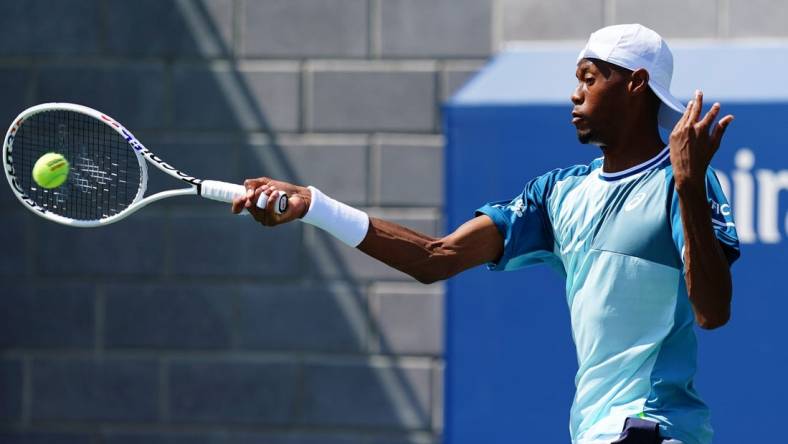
x=143, y=154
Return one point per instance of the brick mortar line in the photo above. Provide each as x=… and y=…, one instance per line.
x=98, y=61
x=375, y=337
x=262, y=61
x=305, y=358
x=375, y=176
x=27, y=391
x=299, y=393
x=153, y=136
x=437, y=393
x=175, y=280
x=392, y=64
x=104, y=428
x=165, y=279
x=373, y=66
x=164, y=390
x=33, y=87
x=168, y=246
x=246, y=65
x=252, y=137
x=375, y=29
x=16, y=61
x=443, y=92
x=414, y=288
x=415, y=212
x=235, y=325
x=369, y=177
x=421, y=132
x=437, y=96
x=103, y=18
x=304, y=99
x=169, y=94
x=99, y=313
x=236, y=28
x=307, y=98
x=384, y=138
x=285, y=137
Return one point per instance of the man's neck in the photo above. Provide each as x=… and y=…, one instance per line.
x=628, y=152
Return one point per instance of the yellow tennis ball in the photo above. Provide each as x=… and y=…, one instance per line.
x=50, y=170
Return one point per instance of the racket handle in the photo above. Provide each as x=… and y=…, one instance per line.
x=226, y=192
x=280, y=206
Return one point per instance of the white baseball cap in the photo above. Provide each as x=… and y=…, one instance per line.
x=633, y=47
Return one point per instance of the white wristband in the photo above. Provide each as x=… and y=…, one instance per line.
x=344, y=222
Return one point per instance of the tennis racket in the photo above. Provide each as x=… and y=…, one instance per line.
x=108, y=168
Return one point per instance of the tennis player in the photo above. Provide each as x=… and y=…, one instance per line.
x=644, y=236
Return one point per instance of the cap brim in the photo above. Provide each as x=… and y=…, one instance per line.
x=671, y=109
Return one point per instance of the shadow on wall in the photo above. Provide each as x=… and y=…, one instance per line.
x=184, y=323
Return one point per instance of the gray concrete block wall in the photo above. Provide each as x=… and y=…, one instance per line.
x=699, y=18
x=435, y=29
x=11, y=386
x=44, y=27
x=165, y=28
x=216, y=391
x=292, y=318
x=136, y=90
x=274, y=88
x=48, y=316
x=183, y=316
x=86, y=389
x=758, y=18
x=342, y=394
x=305, y=28
x=185, y=324
x=372, y=97
x=557, y=19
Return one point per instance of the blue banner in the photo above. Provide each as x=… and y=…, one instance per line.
x=510, y=356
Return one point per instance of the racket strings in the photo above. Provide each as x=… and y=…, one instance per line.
x=104, y=175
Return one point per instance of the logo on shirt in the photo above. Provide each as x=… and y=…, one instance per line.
x=720, y=213
x=720, y=210
x=518, y=206
x=634, y=202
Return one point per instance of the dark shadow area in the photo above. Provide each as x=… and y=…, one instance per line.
x=184, y=323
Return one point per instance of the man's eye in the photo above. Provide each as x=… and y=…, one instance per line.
x=588, y=80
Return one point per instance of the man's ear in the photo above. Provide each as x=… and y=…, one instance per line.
x=638, y=81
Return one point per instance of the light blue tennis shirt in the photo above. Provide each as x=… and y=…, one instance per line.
x=618, y=239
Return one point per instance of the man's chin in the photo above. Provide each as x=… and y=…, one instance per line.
x=585, y=137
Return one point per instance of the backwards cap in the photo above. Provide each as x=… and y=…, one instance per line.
x=633, y=47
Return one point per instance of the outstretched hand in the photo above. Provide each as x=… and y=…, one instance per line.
x=298, y=201
x=692, y=146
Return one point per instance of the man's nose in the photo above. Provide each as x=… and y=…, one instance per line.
x=576, y=96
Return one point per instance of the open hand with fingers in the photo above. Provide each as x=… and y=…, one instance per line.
x=298, y=201
x=692, y=145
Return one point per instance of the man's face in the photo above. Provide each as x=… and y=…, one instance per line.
x=599, y=99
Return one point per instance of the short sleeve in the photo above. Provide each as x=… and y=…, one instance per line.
x=721, y=219
x=525, y=226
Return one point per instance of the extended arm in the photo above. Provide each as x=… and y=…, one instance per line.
x=430, y=259
x=425, y=258
x=707, y=273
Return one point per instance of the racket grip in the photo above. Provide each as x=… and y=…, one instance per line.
x=280, y=206
x=226, y=192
